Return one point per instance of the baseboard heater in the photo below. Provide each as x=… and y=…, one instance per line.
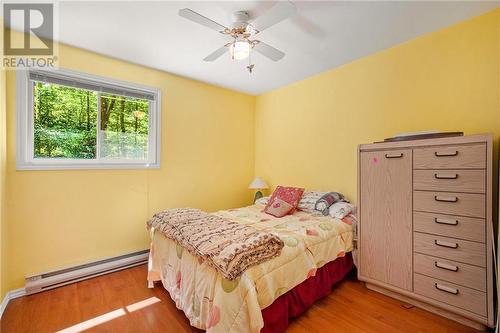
x=62, y=277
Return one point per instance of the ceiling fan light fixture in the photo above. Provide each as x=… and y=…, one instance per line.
x=242, y=32
x=240, y=49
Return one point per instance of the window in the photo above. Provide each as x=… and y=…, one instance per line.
x=69, y=120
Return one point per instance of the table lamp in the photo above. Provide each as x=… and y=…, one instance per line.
x=258, y=184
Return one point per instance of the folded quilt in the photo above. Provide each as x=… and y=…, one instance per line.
x=226, y=245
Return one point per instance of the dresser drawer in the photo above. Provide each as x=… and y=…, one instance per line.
x=450, y=157
x=459, y=273
x=450, y=248
x=470, y=181
x=453, y=203
x=450, y=293
x=468, y=228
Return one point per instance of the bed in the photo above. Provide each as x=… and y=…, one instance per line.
x=316, y=255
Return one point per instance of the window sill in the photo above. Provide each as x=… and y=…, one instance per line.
x=87, y=166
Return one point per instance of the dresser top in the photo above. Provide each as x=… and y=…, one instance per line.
x=468, y=139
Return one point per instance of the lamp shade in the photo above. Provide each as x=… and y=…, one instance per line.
x=258, y=184
x=240, y=49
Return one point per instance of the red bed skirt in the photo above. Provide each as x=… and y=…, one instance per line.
x=300, y=298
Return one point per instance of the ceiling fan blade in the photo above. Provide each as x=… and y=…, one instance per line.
x=200, y=19
x=216, y=54
x=282, y=10
x=268, y=51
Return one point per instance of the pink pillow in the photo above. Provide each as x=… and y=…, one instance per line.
x=290, y=195
x=279, y=208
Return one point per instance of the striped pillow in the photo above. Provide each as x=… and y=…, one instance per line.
x=309, y=199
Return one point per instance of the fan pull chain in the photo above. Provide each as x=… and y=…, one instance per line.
x=250, y=65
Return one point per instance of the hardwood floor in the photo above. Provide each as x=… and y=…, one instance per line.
x=121, y=302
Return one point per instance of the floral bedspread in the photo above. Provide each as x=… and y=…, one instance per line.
x=220, y=305
x=228, y=246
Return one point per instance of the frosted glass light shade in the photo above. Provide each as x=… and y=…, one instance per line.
x=258, y=184
x=240, y=49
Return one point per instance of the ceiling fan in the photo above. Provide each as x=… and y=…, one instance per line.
x=244, y=30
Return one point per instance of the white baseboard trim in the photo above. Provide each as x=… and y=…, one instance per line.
x=10, y=295
x=4, y=304
x=17, y=293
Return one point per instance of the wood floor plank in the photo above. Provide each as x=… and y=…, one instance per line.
x=121, y=302
x=60, y=301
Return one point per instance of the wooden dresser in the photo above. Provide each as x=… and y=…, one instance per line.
x=426, y=224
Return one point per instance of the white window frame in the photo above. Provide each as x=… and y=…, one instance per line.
x=25, y=159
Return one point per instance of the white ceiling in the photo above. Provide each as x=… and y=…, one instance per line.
x=323, y=35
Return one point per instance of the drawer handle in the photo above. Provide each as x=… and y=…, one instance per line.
x=446, y=244
x=446, y=266
x=450, y=290
x=438, y=176
x=445, y=199
x=438, y=154
x=394, y=155
x=444, y=221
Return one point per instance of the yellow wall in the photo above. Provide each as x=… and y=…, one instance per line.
x=307, y=133
x=214, y=139
x=3, y=161
x=61, y=218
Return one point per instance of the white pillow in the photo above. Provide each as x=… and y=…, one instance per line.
x=341, y=209
x=262, y=201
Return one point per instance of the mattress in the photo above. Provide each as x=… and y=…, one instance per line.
x=215, y=304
